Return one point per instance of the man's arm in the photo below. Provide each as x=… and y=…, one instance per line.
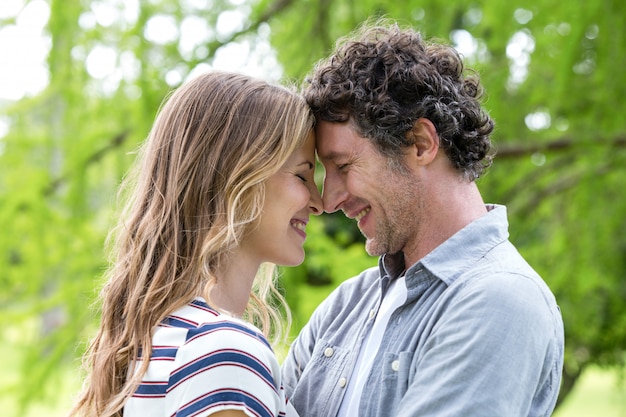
x=297, y=358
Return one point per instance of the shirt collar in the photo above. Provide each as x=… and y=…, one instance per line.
x=391, y=264
x=467, y=246
x=447, y=261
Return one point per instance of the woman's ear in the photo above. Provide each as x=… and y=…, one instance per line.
x=425, y=141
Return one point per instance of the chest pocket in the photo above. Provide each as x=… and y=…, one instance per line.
x=329, y=356
x=394, y=373
x=323, y=381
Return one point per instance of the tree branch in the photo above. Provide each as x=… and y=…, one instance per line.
x=267, y=14
x=114, y=143
x=557, y=187
x=507, y=151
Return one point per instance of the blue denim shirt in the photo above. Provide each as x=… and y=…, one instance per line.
x=479, y=335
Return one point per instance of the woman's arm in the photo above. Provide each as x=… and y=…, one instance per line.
x=229, y=413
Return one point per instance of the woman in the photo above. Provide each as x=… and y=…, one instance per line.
x=223, y=185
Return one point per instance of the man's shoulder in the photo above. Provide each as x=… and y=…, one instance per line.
x=504, y=278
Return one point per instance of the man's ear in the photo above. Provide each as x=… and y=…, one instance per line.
x=425, y=140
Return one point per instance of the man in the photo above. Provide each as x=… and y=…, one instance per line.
x=453, y=321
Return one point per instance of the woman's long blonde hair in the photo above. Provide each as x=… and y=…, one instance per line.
x=197, y=185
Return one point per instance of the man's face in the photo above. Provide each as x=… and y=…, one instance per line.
x=361, y=182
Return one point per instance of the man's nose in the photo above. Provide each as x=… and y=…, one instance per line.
x=333, y=193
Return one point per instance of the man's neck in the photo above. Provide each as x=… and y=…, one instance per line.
x=450, y=212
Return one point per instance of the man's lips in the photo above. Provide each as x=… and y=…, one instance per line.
x=362, y=214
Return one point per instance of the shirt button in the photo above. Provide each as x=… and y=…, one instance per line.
x=395, y=365
x=342, y=382
x=372, y=313
x=329, y=352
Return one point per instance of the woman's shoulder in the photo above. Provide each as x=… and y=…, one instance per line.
x=208, y=331
x=222, y=361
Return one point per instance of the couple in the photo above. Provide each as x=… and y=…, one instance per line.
x=452, y=322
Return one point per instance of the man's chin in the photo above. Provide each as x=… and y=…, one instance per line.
x=373, y=248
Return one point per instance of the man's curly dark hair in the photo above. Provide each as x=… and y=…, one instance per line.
x=386, y=78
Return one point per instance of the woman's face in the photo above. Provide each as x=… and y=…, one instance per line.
x=290, y=197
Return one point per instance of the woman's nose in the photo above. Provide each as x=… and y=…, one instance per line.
x=316, y=205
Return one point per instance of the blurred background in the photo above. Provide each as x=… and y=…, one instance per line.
x=81, y=81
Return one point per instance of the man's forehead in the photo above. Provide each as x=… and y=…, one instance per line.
x=334, y=140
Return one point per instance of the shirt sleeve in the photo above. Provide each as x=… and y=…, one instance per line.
x=228, y=366
x=297, y=358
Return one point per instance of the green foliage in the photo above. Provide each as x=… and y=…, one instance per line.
x=558, y=63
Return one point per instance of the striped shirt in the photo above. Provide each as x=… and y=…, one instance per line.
x=203, y=362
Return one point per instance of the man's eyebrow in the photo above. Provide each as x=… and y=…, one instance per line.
x=331, y=156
